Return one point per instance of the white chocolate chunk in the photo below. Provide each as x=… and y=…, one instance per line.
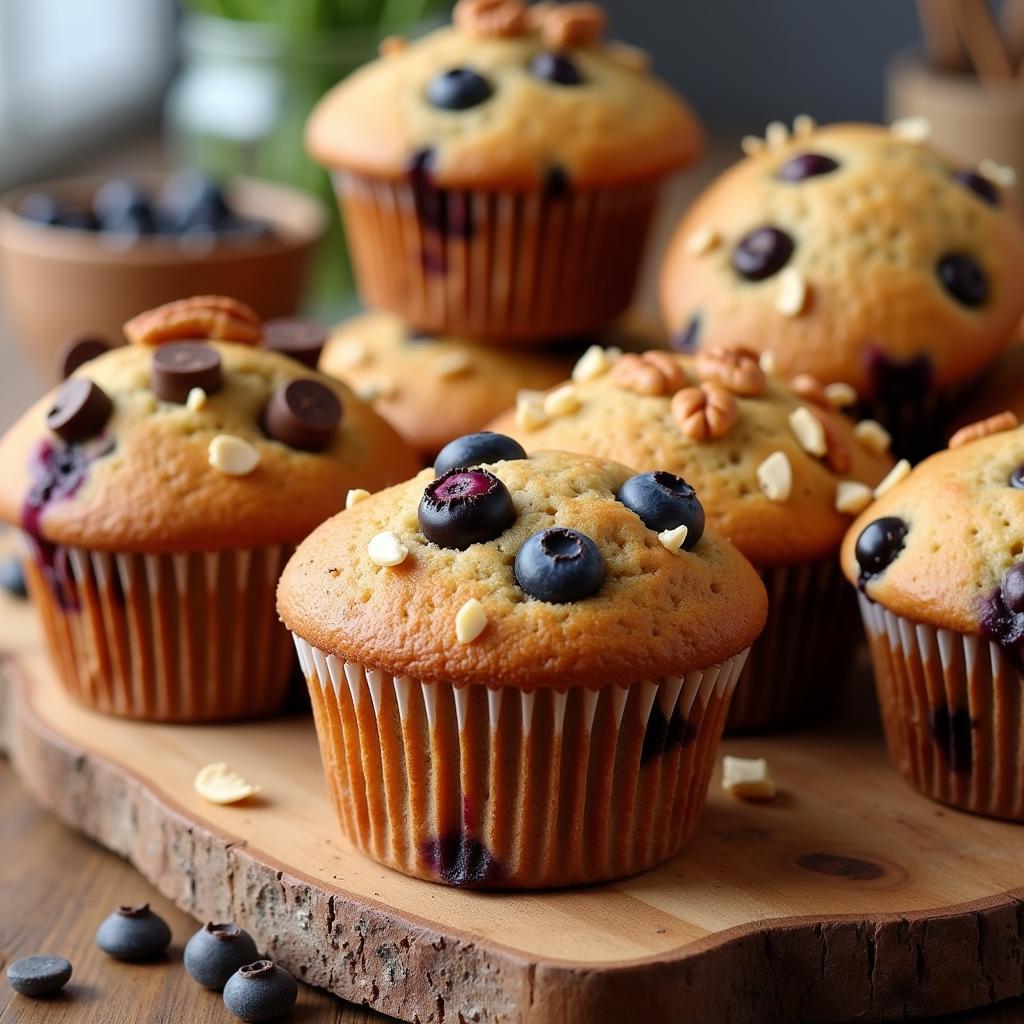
x=873, y=436
x=387, y=549
x=775, y=477
x=530, y=412
x=1001, y=174
x=451, y=364
x=354, y=496
x=767, y=362
x=232, y=455
x=196, y=399
x=776, y=134
x=350, y=354
x=809, y=431
x=840, y=395
x=470, y=621
x=371, y=390
x=748, y=778
x=852, y=497
x=898, y=473
x=911, y=129
x=220, y=785
x=562, y=401
x=591, y=365
x=702, y=240
x=751, y=145
x=791, y=298
x=804, y=124
x=674, y=539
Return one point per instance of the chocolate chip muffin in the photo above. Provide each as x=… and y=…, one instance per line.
x=498, y=176
x=938, y=564
x=519, y=677
x=160, y=490
x=780, y=470
x=859, y=254
x=435, y=389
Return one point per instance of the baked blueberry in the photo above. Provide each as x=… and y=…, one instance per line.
x=559, y=565
x=464, y=507
x=12, y=578
x=556, y=68
x=1011, y=589
x=761, y=253
x=984, y=189
x=686, y=340
x=664, y=501
x=1017, y=478
x=216, y=951
x=807, y=165
x=133, y=933
x=260, y=991
x=39, y=975
x=878, y=545
x=458, y=89
x=476, y=449
x=963, y=279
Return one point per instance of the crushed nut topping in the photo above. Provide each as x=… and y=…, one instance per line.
x=563, y=401
x=996, y=424
x=386, y=549
x=490, y=18
x=791, y=298
x=592, y=364
x=652, y=373
x=873, y=436
x=736, y=369
x=209, y=317
x=852, y=497
x=775, y=477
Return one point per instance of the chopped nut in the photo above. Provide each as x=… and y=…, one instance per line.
x=213, y=317
x=451, y=364
x=752, y=145
x=702, y=240
x=736, y=369
x=983, y=428
x=573, y=24
x=838, y=454
x=873, y=436
x=748, y=778
x=704, y=412
x=808, y=430
x=809, y=388
x=470, y=621
x=911, y=129
x=387, y=549
x=591, y=365
x=791, y=298
x=804, y=125
x=1001, y=174
x=530, y=412
x=653, y=373
x=490, y=18
x=840, y=395
x=349, y=354
x=630, y=57
x=896, y=475
x=852, y=497
x=776, y=135
x=371, y=390
x=674, y=539
x=232, y=455
x=768, y=363
x=562, y=401
x=196, y=399
x=355, y=495
x=775, y=477
x=218, y=784
x=390, y=45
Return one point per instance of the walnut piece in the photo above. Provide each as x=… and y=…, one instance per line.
x=490, y=18
x=705, y=412
x=983, y=428
x=652, y=373
x=574, y=24
x=736, y=369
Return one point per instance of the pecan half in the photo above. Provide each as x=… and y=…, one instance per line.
x=652, y=373
x=211, y=317
x=704, y=412
x=983, y=428
x=736, y=369
x=490, y=18
x=838, y=453
x=809, y=388
x=574, y=24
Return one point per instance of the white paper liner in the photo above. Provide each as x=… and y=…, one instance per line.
x=952, y=711
x=498, y=787
x=175, y=638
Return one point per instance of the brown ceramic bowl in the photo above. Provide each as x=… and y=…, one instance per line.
x=60, y=281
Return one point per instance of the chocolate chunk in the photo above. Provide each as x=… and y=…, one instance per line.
x=299, y=337
x=182, y=366
x=80, y=411
x=76, y=350
x=303, y=414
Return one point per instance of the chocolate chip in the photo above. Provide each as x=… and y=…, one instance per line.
x=303, y=414
x=76, y=350
x=761, y=253
x=80, y=411
x=182, y=366
x=299, y=337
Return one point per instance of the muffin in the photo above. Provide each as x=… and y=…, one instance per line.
x=435, y=389
x=938, y=563
x=859, y=254
x=160, y=490
x=780, y=470
x=516, y=681
x=497, y=177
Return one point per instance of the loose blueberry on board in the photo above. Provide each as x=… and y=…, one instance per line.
x=807, y=165
x=762, y=252
x=39, y=975
x=133, y=933
x=12, y=577
x=464, y=507
x=260, y=991
x=476, y=449
x=216, y=952
x=878, y=545
x=458, y=89
x=559, y=565
x=555, y=68
x=664, y=501
x=41, y=208
x=984, y=189
x=963, y=279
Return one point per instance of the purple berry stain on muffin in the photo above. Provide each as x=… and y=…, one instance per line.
x=443, y=213
x=460, y=860
x=664, y=734
x=1002, y=613
x=878, y=546
x=952, y=733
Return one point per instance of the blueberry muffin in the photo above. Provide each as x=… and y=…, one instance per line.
x=781, y=471
x=435, y=389
x=160, y=490
x=938, y=564
x=859, y=254
x=498, y=176
x=519, y=677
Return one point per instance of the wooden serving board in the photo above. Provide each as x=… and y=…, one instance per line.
x=849, y=896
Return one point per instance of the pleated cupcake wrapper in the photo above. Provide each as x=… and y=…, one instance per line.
x=172, y=637
x=953, y=712
x=497, y=787
x=513, y=265
x=798, y=665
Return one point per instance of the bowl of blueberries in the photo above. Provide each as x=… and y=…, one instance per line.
x=92, y=252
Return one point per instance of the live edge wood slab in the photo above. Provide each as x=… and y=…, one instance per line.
x=848, y=897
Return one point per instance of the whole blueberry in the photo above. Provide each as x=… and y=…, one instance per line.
x=476, y=449
x=39, y=975
x=12, y=576
x=216, y=951
x=664, y=501
x=458, y=89
x=963, y=279
x=807, y=165
x=556, y=68
x=559, y=565
x=878, y=545
x=133, y=933
x=122, y=206
x=192, y=200
x=260, y=991
x=1012, y=588
x=1017, y=478
x=981, y=186
x=761, y=253
x=463, y=507
x=40, y=207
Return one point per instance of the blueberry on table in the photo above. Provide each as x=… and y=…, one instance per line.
x=807, y=165
x=39, y=975
x=40, y=207
x=464, y=507
x=122, y=206
x=984, y=189
x=458, y=89
x=475, y=449
x=216, y=952
x=559, y=565
x=12, y=577
x=260, y=991
x=963, y=279
x=761, y=253
x=555, y=68
x=133, y=933
x=190, y=199
x=664, y=501
x=878, y=545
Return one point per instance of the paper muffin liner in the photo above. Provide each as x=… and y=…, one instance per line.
x=168, y=638
x=799, y=665
x=491, y=788
x=953, y=711
x=510, y=265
